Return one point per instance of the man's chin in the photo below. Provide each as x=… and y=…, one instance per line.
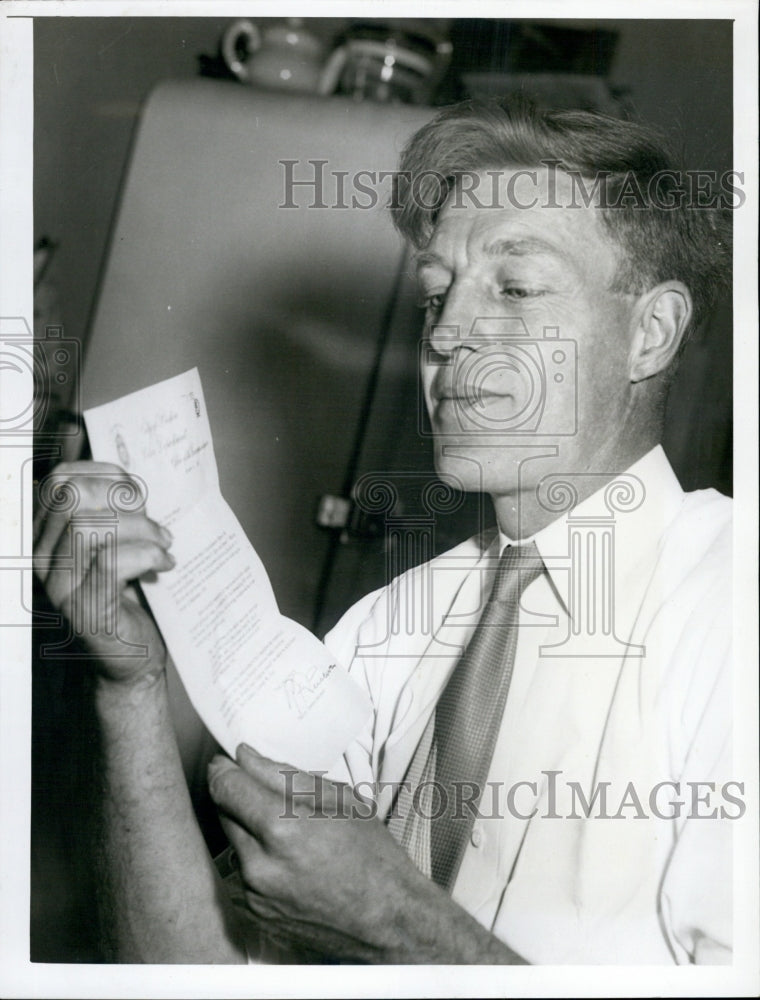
x=474, y=470
x=494, y=465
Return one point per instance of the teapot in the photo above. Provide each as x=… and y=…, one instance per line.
x=283, y=55
x=383, y=62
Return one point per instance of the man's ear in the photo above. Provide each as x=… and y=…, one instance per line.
x=661, y=318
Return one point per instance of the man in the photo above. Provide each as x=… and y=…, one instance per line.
x=561, y=809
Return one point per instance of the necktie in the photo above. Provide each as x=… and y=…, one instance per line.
x=458, y=745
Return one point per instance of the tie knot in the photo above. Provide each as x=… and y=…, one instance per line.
x=518, y=567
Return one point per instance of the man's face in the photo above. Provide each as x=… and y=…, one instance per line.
x=527, y=344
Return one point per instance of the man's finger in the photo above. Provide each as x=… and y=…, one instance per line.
x=271, y=773
x=109, y=568
x=242, y=797
x=260, y=874
x=128, y=528
x=302, y=787
x=305, y=793
x=245, y=846
x=78, y=489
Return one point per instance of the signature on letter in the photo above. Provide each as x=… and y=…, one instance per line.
x=302, y=687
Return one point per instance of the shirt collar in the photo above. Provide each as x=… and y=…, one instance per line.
x=639, y=504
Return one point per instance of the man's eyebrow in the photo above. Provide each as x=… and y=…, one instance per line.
x=522, y=247
x=429, y=258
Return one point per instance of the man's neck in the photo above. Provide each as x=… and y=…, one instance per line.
x=523, y=513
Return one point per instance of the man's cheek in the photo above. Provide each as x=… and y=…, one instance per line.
x=426, y=381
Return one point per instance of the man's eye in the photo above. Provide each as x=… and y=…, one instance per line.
x=432, y=304
x=518, y=292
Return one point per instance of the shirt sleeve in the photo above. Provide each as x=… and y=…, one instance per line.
x=697, y=888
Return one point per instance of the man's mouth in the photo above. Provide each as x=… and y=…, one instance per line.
x=470, y=396
x=484, y=381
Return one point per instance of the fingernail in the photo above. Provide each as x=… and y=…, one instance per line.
x=218, y=764
x=170, y=559
x=166, y=536
x=244, y=748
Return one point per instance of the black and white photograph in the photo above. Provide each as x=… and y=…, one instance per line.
x=379, y=490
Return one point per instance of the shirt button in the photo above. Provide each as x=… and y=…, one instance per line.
x=476, y=837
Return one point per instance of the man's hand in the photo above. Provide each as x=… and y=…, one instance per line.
x=160, y=897
x=95, y=539
x=321, y=870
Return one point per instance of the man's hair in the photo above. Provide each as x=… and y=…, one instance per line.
x=636, y=172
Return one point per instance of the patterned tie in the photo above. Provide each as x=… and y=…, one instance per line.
x=457, y=746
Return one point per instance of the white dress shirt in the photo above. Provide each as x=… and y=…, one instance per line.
x=634, y=695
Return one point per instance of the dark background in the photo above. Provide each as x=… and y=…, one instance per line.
x=91, y=76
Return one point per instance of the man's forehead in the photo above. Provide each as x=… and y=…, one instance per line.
x=494, y=247
x=518, y=211
x=542, y=185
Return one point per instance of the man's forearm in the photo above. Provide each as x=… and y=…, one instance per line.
x=161, y=897
x=430, y=928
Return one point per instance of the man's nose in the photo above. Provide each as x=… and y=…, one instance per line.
x=479, y=333
x=444, y=339
x=454, y=326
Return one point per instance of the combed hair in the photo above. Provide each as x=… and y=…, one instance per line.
x=687, y=243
